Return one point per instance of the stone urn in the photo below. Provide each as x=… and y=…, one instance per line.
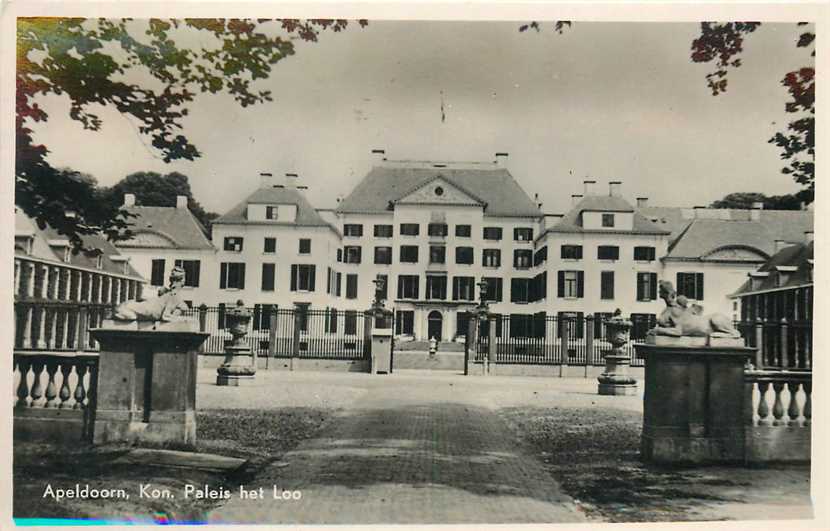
x=616, y=380
x=239, y=366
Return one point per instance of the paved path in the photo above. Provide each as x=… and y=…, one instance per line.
x=409, y=454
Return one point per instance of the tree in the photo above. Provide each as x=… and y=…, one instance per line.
x=154, y=189
x=746, y=200
x=87, y=59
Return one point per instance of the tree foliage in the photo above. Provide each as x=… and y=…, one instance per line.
x=154, y=189
x=746, y=200
x=90, y=61
x=722, y=44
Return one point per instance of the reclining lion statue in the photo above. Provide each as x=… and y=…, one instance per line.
x=679, y=320
x=167, y=306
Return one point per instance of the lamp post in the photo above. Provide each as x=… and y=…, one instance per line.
x=616, y=380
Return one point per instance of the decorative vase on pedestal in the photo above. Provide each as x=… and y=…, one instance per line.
x=616, y=380
x=239, y=367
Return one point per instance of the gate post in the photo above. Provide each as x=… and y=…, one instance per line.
x=589, y=341
x=295, y=341
x=471, y=340
x=563, y=342
x=272, y=335
x=492, y=347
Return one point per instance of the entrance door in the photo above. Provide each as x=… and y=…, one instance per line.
x=434, y=320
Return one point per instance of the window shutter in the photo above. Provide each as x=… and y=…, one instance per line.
x=328, y=280
x=640, y=294
x=678, y=287
x=560, y=285
x=579, y=252
x=223, y=275
x=455, y=288
x=400, y=287
x=580, y=284
x=313, y=274
x=293, y=277
x=514, y=289
x=699, y=286
x=499, y=290
x=197, y=265
x=417, y=289
x=653, y=285
x=241, y=276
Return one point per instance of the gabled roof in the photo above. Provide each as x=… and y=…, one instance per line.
x=491, y=184
x=178, y=225
x=440, y=177
x=307, y=216
x=572, y=221
x=799, y=256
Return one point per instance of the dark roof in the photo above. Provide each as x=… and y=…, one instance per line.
x=799, y=256
x=572, y=220
x=178, y=225
x=704, y=236
x=307, y=216
x=491, y=185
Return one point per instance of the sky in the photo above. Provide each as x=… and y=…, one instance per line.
x=601, y=101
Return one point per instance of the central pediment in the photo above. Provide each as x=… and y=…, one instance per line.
x=439, y=191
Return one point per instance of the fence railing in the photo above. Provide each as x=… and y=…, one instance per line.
x=57, y=326
x=784, y=344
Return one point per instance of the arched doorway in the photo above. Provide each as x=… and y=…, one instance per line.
x=434, y=321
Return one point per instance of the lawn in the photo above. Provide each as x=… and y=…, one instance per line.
x=260, y=436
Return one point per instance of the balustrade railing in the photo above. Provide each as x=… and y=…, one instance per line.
x=57, y=326
x=780, y=398
x=54, y=381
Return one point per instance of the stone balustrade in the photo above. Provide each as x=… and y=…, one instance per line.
x=779, y=415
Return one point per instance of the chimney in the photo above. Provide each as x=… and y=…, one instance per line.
x=378, y=155
x=780, y=244
x=759, y=205
x=575, y=198
x=129, y=200
x=587, y=185
x=501, y=159
x=181, y=201
x=755, y=211
x=808, y=236
x=614, y=188
x=291, y=180
x=642, y=202
x=266, y=179
x=698, y=212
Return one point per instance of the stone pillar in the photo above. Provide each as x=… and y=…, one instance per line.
x=146, y=383
x=694, y=404
x=239, y=367
x=381, y=356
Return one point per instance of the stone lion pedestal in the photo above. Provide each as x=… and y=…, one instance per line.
x=147, y=381
x=693, y=403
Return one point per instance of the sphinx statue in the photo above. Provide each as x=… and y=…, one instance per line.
x=680, y=320
x=167, y=306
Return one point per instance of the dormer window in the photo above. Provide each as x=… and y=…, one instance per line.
x=24, y=244
x=756, y=279
x=783, y=274
x=99, y=262
x=608, y=220
x=233, y=244
x=272, y=212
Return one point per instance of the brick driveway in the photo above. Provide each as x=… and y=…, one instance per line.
x=408, y=450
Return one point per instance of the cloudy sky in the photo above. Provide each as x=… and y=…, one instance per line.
x=610, y=101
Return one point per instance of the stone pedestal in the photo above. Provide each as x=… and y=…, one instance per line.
x=381, y=350
x=693, y=409
x=147, y=383
x=615, y=380
x=239, y=367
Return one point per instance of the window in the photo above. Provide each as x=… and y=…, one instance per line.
x=690, y=285
x=462, y=231
x=571, y=285
x=437, y=229
x=492, y=233
x=575, y=323
x=271, y=212
x=463, y=288
x=540, y=256
x=303, y=277
x=232, y=275
x=338, y=284
x=384, y=294
x=270, y=246
x=462, y=323
x=539, y=287
x=191, y=272
x=599, y=323
x=437, y=254
x=522, y=258
x=268, y=273
x=491, y=257
x=436, y=287
x=233, y=244
x=305, y=246
x=523, y=234
x=608, y=252
x=329, y=280
x=404, y=322
x=350, y=322
x=351, y=286
x=301, y=314
x=353, y=230
x=351, y=254
x=571, y=252
x=262, y=316
x=464, y=255
x=339, y=255
x=410, y=229
x=608, y=220
x=492, y=292
x=409, y=254
x=383, y=231
x=644, y=254
x=383, y=255
x=606, y=285
x=520, y=290
x=646, y=286
x=157, y=273
x=408, y=286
